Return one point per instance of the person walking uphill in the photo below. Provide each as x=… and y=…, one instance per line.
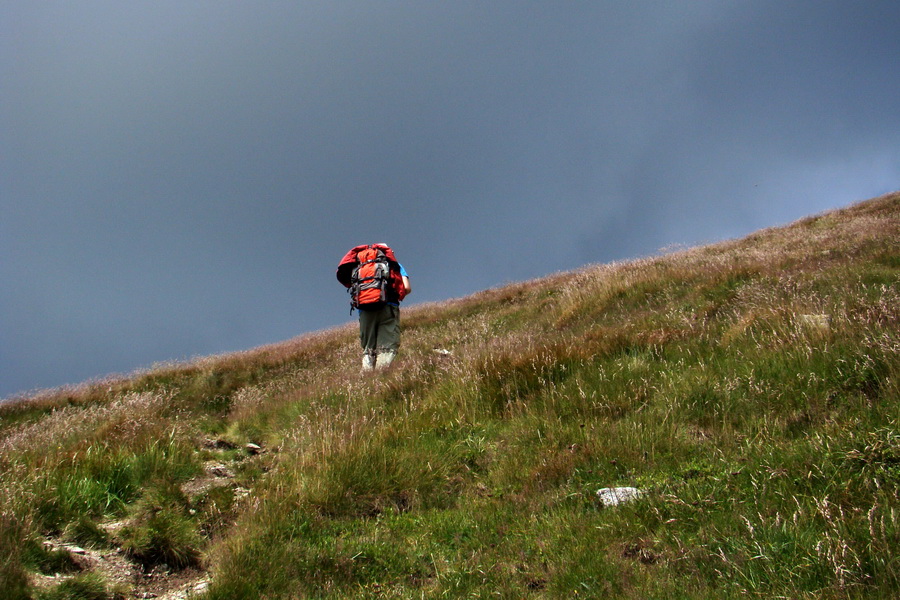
x=377, y=283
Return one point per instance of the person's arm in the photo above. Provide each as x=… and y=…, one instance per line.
x=406, y=287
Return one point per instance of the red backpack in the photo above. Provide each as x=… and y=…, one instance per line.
x=370, y=274
x=371, y=278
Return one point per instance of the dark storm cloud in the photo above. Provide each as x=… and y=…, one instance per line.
x=181, y=178
x=776, y=111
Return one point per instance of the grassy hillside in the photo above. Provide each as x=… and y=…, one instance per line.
x=748, y=389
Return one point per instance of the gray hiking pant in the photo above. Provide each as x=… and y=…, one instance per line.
x=379, y=329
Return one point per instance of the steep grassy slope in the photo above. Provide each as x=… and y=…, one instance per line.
x=749, y=389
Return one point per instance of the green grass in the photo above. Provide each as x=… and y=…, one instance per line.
x=87, y=586
x=748, y=388
x=161, y=531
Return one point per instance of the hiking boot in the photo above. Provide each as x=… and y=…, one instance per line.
x=368, y=362
x=385, y=358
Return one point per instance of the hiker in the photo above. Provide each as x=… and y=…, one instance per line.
x=377, y=283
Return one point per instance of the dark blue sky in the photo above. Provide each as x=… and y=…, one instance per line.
x=181, y=178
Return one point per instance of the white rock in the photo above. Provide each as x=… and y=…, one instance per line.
x=617, y=495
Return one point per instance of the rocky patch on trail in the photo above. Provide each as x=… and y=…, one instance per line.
x=125, y=578
x=129, y=580
x=177, y=586
x=215, y=474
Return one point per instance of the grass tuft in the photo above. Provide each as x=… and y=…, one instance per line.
x=84, y=586
x=161, y=531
